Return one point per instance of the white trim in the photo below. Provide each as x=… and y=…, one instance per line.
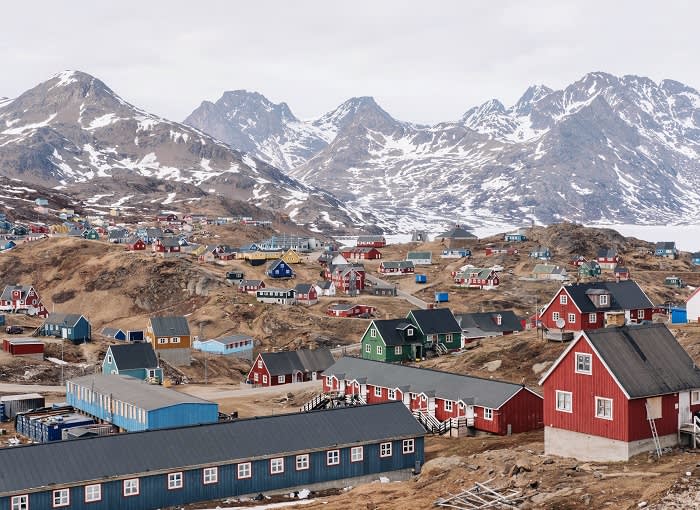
x=175, y=481
x=590, y=363
x=490, y=418
x=277, y=465
x=62, y=494
x=210, y=475
x=408, y=446
x=385, y=450
x=134, y=485
x=355, y=449
x=556, y=401
x=304, y=458
x=93, y=498
x=249, y=469
x=595, y=408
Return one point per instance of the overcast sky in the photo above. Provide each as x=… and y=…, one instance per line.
x=423, y=61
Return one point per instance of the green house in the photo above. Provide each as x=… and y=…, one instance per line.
x=91, y=234
x=590, y=268
x=437, y=326
x=391, y=340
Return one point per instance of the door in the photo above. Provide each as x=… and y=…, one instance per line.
x=684, y=408
x=313, y=376
x=470, y=416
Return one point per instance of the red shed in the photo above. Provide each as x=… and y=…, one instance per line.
x=607, y=389
x=489, y=405
x=24, y=347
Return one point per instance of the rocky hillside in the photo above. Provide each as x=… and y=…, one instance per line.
x=605, y=148
x=73, y=131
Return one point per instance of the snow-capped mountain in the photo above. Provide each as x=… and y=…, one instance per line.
x=605, y=148
x=72, y=131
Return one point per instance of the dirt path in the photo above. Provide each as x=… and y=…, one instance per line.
x=30, y=388
x=218, y=392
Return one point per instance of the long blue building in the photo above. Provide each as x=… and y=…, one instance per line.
x=172, y=467
x=134, y=405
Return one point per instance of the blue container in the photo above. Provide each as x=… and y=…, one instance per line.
x=441, y=297
x=421, y=278
x=679, y=316
x=2, y=320
x=2, y=412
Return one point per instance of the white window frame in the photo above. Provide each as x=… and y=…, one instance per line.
x=264, y=380
x=571, y=318
x=260, y=363
x=603, y=416
x=20, y=502
x=409, y=332
x=162, y=341
x=373, y=333
x=398, y=350
x=695, y=397
x=448, y=406
x=377, y=391
x=409, y=446
x=555, y=316
x=93, y=493
x=563, y=299
x=391, y=394
x=244, y=470
x=175, y=480
x=385, y=450
x=175, y=340
x=640, y=314
x=60, y=498
x=210, y=475
x=603, y=299
x=256, y=377
x=583, y=355
x=131, y=487
x=357, y=454
x=488, y=413
x=302, y=462
x=277, y=466
x=109, y=358
x=281, y=379
x=380, y=350
x=592, y=318
x=568, y=398
x=368, y=348
x=332, y=457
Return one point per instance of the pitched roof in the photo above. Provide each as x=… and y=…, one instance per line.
x=486, y=321
x=398, y=264
x=304, y=360
x=72, y=462
x=229, y=339
x=607, y=253
x=169, y=242
x=370, y=239
x=303, y=288
x=646, y=360
x=170, y=326
x=391, y=331
x=457, y=232
x=111, y=332
x=624, y=295
x=131, y=356
x=7, y=291
x=665, y=245
x=412, y=255
x=436, y=320
x=63, y=319
x=250, y=283
x=490, y=393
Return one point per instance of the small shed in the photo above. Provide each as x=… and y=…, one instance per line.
x=674, y=281
x=29, y=347
x=11, y=405
x=421, y=278
x=441, y=297
x=679, y=315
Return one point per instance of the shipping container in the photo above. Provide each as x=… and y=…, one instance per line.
x=421, y=278
x=26, y=423
x=441, y=297
x=15, y=404
x=51, y=428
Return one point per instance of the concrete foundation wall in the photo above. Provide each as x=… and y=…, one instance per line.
x=566, y=443
x=176, y=357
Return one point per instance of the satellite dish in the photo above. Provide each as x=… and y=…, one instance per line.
x=560, y=323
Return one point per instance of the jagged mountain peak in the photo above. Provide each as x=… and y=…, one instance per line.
x=238, y=101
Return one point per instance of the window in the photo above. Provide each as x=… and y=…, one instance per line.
x=256, y=377
x=592, y=318
x=175, y=480
x=333, y=457
x=603, y=299
x=20, y=502
x=368, y=348
x=151, y=373
x=564, y=401
x=210, y=475
x=572, y=318
x=563, y=299
x=175, y=340
x=244, y=470
x=260, y=363
x=409, y=332
x=555, y=316
x=448, y=405
x=162, y=341
x=583, y=363
x=379, y=349
x=277, y=466
x=408, y=446
x=377, y=391
x=131, y=487
x=356, y=454
x=603, y=408
x=93, y=493
x=398, y=350
x=302, y=462
x=640, y=314
x=385, y=450
x=488, y=413
x=264, y=379
x=392, y=394
x=61, y=497
x=373, y=333
x=109, y=358
x=280, y=379
x=695, y=397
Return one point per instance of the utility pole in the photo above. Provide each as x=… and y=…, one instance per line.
x=206, y=354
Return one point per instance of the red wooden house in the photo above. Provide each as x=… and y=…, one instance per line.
x=608, y=258
x=305, y=294
x=135, y=244
x=359, y=253
x=22, y=299
x=347, y=278
x=166, y=247
x=488, y=405
x=251, y=286
x=398, y=267
x=38, y=228
x=167, y=218
x=350, y=310
x=603, y=392
x=595, y=305
x=371, y=242
x=285, y=367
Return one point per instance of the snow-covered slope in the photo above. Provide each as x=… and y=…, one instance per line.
x=74, y=129
x=605, y=148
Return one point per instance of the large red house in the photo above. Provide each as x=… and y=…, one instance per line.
x=488, y=405
x=347, y=278
x=274, y=368
x=595, y=305
x=603, y=392
x=22, y=299
x=371, y=242
x=360, y=253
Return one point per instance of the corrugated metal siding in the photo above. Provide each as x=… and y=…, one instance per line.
x=584, y=389
x=180, y=415
x=155, y=494
x=523, y=412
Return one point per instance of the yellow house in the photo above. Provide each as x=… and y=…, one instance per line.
x=291, y=257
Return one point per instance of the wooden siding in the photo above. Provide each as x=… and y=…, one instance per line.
x=523, y=412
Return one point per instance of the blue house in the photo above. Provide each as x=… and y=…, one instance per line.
x=514, y=237
x=240, y=346
x=279, y=269
x=695, y=258
x=135, y=360
x=134, y=405
x=71, y=326
x=541, y=253
x=115, y=333
x=177, y=467
x=8, y=245
x=666, y=249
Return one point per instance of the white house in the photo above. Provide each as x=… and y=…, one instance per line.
x=692, y=306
